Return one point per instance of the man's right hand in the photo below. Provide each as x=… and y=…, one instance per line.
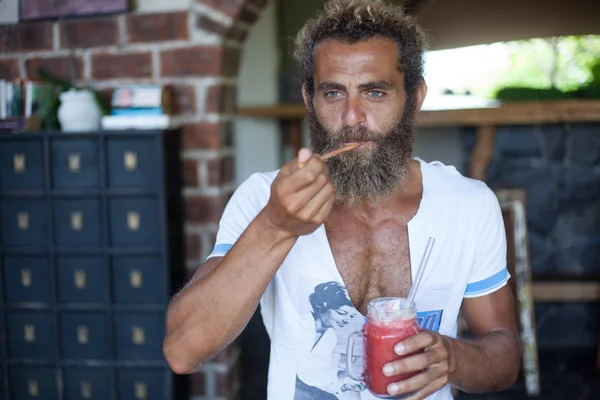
x=302, y=195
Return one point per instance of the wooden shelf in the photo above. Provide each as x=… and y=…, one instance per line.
x=566, y=291
x=542, y=112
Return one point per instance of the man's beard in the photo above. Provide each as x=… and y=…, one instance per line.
x=369, y=174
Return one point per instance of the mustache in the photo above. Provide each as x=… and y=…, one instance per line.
x=357, y=134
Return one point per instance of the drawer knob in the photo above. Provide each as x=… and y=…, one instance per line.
x=26, y=277
x=130, y=160
x=76, y=221
x=33, y=387
x=141, y=391
x=133, y=220
x=138, y=335
x=74, y=162
x=19, y=163
x=29, y=333
x=86, y=390
x=79, y=277
x=23, y=220
x=135, y=278
x=83, y=334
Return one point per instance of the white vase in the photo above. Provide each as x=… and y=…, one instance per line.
x=79, y=111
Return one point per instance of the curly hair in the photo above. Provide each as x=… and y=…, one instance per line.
x=352, y=21
x=328, y=296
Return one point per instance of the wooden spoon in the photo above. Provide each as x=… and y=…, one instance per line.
x=336, y=152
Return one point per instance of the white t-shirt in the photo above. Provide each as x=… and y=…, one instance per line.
x=308, y=341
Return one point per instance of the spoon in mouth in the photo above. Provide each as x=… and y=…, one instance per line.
x=343, y=149
x=336, y=152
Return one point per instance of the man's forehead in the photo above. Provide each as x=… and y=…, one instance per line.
x=369, y=56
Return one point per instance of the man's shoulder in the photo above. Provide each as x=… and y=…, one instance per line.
x=447, y=181
x=258, y=183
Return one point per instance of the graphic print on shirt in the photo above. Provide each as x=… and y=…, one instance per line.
x=321, y=373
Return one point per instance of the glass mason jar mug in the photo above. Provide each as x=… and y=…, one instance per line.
x=390, y=320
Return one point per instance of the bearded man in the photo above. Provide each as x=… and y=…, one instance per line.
x=359, y=221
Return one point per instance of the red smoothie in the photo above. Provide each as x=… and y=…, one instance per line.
x=380, y=339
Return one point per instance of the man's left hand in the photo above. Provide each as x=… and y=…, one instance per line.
x=433, y=361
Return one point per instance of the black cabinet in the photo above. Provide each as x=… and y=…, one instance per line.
x=90, y=254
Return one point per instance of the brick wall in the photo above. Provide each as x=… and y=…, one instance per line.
x=196, y=50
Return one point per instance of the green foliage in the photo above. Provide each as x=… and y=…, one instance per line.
x=551, y=68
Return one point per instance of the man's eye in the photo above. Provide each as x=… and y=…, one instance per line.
x=333, y=93
x=376, y=93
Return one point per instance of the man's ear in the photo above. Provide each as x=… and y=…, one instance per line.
x=305, y=96
x=421, y=93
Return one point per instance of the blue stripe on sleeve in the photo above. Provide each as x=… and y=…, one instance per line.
x=488, y=283
x=221, y=249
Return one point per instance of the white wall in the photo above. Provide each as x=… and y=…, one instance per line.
x=257, y=140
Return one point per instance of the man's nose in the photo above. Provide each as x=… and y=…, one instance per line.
x=354, y=114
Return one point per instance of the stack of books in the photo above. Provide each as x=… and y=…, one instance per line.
x=140, y=107
x=23, y=104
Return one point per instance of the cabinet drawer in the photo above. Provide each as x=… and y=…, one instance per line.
x=141, y=384
x=27, y=279
x=139, y=280
x=77, y=222
x=32, y=383
x=82, y=280
x=24, y=222
x=132, y=162
x=134, y=221
x=139, y=335
x=75, y=163
x=30, y=334
x=21, y=165
x=87, y=383
x=84, y=335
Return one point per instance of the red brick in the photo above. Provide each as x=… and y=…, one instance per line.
x=227, y=169
x=213, y=172
x=204, y=209
x=190, y=173
x=26, y=37
x=227, y=136
x=110, y=66
x=221, y=99
x=229, y=7
x=210, y=25
x=157, y=27
x=193, y=246
x=197, y=382
x=220, y=171
x=184, y=99
x=9, y=69
x=192, y=61
x=60, y=66
x=247, y=15
x=231, y=62
x=237, y=33
x=204, y=135
x=90, y=32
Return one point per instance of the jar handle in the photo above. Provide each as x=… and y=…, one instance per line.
x=349, y=357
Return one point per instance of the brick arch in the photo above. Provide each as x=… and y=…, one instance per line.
x=231, y=20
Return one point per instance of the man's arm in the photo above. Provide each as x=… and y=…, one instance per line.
x=490, y=361
x=216, y=305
